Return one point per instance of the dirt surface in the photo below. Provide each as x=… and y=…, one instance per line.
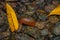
x=46, y=28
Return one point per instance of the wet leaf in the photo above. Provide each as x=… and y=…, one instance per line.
x=27, y=21
x=56, y=11
x=41, y=11
x=12, y=19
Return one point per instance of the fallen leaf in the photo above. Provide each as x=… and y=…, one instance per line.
x=56, y=11
x=12, y=19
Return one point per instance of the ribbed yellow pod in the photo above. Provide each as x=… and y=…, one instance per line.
x=56, y=11
x=12, y=19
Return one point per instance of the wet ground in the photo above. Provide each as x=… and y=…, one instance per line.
x=47, y=28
